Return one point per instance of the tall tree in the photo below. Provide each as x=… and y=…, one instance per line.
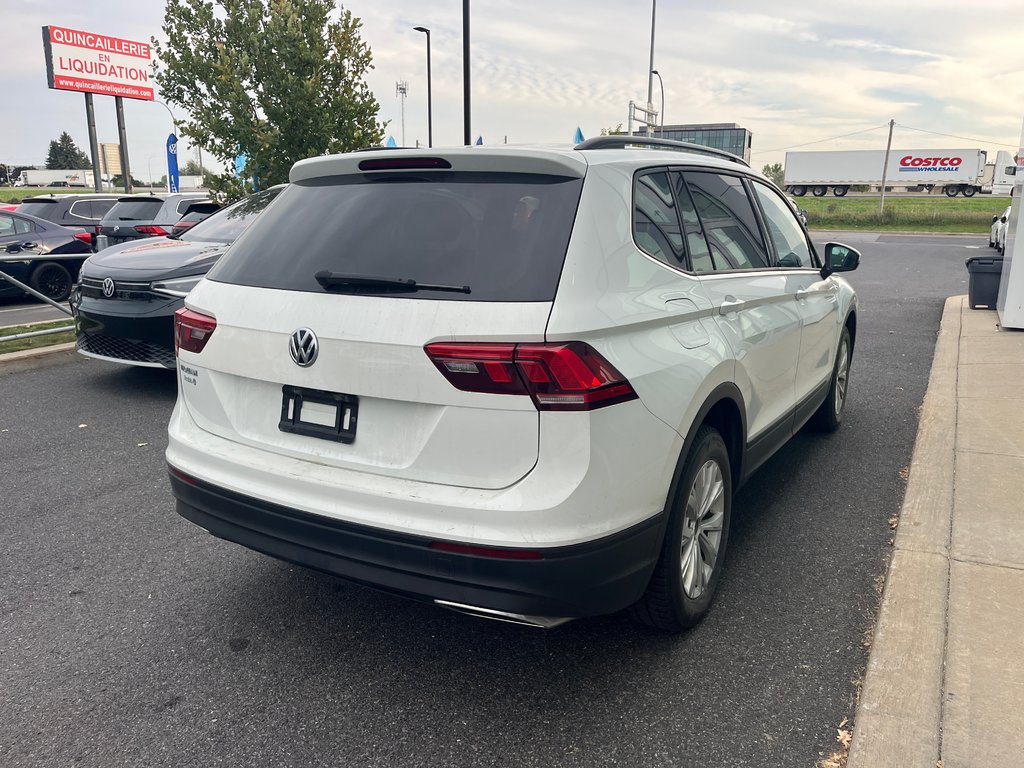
x=192, y=168
x=775, y=172
x=274, y=81
x=65, y=154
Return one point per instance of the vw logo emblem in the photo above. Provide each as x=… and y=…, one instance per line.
x=108, y=287
x=303, y=347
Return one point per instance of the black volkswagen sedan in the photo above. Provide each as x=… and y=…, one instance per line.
x=128, y=294
x=43, y=255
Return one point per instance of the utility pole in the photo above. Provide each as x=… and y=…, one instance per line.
x=402, y=90
x=885, y=165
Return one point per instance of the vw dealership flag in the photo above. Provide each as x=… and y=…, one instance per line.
x=172, y=163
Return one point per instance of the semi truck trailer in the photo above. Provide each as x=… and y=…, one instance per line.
x=955, y=171
x=56, y=178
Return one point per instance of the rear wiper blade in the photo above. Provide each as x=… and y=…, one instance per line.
x=340, y=280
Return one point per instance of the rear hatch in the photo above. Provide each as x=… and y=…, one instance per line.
x=483, y=237
x=129, y=219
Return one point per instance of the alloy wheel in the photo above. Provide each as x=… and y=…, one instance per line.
x=702, y=529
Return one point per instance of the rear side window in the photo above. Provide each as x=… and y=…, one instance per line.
x=729, y=221
x=504, y=235
x=135, y=210
x=80, y=209
x=655, y=223
x=43, y=209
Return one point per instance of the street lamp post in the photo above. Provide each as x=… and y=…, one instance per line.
x=467, y=133
x=150, y=164
x=430, y=115
x=661, y=115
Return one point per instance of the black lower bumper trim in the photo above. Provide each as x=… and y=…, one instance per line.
x=588, y=579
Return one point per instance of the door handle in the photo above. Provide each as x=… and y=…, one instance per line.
x=729, y=305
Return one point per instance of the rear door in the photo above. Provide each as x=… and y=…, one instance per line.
x=488, y=246
x=752, y=306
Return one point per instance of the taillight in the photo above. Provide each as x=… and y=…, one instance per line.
x=150, y=229
x=85, y=237
x=192, y=330
x=567, y=376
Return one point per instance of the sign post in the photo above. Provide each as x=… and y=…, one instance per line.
x=90, y=116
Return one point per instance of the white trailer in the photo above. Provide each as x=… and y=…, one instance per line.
x=955, y=171
x=56, y=178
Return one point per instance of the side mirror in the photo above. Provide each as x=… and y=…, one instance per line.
x=995, y=219
x=1003, y=219
x=839, y=258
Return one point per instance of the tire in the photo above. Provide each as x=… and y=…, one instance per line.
x=951, y=191
x=969, y=191
x=52, y=280
x=829, y=415
x=683, y=583
x=991, y=243
x=840, y=191
x=799, y=191
x=819, y=191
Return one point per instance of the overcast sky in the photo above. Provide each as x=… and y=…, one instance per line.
x=791, y=72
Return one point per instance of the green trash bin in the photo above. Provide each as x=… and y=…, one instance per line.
x=983, y=289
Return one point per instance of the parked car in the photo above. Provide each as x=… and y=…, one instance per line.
x=137, y=216
x=128, y=293
x=997, y=235
x=43, y=255
x=801, y=213
x=518, y=383
x=80, y=212
x=197, y=212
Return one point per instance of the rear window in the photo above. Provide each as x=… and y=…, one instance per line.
x=135, y=210
x=44, y=209
x=225, y=226
x=504, y=235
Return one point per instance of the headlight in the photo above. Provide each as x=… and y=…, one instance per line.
x=178, y=288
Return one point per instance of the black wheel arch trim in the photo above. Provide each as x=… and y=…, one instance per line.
x=736, y=443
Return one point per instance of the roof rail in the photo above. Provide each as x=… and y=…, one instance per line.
x=621, y=142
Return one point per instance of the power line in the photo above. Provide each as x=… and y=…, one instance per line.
x=820, y=141
x=952, y=136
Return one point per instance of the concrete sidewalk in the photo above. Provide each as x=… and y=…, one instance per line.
x=945, y=678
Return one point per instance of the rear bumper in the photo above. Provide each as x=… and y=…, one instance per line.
x=596, y=577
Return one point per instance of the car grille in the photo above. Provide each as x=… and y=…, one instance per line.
x=131, y=350
x=124, y=291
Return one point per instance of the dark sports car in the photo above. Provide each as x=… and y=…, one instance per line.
x=43, y=255
x=125, y=303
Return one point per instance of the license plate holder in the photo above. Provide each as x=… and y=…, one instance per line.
x=317, y=413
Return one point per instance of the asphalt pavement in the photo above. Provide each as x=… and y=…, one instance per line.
x=20, y=311
x=130, y=637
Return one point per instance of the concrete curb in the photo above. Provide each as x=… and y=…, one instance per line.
x=42, y=357
x=899, y=716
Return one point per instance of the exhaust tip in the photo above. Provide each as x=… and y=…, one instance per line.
x=538, y=622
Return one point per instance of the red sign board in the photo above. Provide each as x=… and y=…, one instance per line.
x=94, y=63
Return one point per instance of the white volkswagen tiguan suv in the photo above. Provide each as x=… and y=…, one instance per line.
x=518, y=383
